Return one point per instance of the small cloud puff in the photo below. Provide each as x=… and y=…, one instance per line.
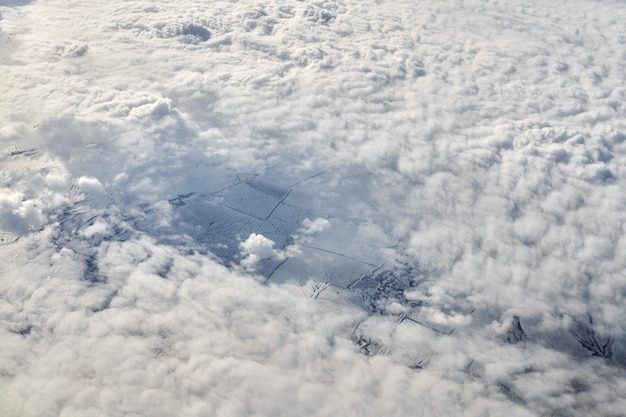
x=98, y=228
x=90, y=185
x=314, y=226
x=256, y=248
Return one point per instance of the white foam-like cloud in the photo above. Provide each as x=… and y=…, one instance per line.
x=431, y=194
x=314, y=226
x=256, y=248
x=90, y=185
x=98, y=228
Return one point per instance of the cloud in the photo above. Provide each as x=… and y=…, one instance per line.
x=256, y=248
x=95, y=229
x=90, y=185
x=314, y=226
x=426, y=199
x=147, y=343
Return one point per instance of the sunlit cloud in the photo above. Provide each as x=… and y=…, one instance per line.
x=312, y=208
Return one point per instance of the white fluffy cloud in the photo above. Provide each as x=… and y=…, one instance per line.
x=432, y=193
x=314, y=226
x=90, y=185
x=256, y=248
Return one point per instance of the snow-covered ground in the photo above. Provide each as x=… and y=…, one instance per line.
x=312, y=208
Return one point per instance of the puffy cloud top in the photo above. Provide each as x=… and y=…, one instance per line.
x=312, y=208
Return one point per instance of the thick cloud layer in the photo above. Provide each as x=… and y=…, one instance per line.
x=312, y=208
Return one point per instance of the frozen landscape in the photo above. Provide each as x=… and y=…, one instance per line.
x=313, y=208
